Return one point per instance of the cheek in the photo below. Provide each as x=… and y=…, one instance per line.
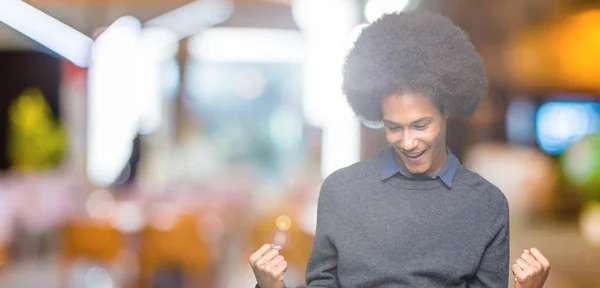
x=430, y=138
x=391, y=137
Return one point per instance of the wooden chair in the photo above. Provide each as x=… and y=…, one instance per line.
x=96, y=241
x=179, y=246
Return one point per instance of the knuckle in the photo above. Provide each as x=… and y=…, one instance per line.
x=260, y=264
x=252, y=260
x=546, y=264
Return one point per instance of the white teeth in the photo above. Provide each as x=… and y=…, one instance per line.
x=416, y=155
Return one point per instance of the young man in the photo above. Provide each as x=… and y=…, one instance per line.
x=412, y=216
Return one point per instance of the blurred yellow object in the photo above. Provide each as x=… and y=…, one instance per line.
x=97, y=240
x=564, y=55
x=2, y=255
x=589, y=222
x=177, y=246
x=35, y=140
x=283, y=222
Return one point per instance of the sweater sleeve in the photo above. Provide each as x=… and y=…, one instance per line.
x=322, y=265
x=493, y=270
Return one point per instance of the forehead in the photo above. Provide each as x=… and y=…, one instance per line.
x=408, y=107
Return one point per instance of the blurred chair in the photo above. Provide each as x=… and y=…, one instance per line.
x=174, y=252
x=3, y=254
x=95, y=241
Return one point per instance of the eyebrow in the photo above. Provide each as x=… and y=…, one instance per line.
x=420, y=120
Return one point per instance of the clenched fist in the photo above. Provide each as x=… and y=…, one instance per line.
x=531, y=270
x=268, y=266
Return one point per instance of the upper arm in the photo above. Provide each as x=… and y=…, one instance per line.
x=323, y=262
x=493, y=269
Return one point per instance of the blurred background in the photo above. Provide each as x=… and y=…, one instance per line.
x=149, y=143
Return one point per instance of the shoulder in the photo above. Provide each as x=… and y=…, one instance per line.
x=492, y=195
x=345, y=179
x=354, y=173
x=338, y=188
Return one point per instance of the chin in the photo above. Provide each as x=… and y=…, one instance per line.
x=421, y=169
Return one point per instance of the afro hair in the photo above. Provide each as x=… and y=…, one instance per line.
x=413, y=52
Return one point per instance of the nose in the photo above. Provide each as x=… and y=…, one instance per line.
x=408, y=142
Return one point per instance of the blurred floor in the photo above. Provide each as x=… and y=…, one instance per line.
x=575, y=264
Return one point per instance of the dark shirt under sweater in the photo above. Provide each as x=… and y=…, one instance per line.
x=401, y=232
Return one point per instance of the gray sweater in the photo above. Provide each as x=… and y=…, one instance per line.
x=401, y=232
x=406, y=233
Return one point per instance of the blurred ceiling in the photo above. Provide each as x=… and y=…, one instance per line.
x=497, y=28
x=88, y=15
x=85, y=18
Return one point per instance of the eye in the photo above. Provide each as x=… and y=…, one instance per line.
x=394, y=128
x=421, y=127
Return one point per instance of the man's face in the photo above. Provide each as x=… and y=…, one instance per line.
x=416, y=129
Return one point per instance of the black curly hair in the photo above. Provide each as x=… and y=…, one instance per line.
x=414, y=52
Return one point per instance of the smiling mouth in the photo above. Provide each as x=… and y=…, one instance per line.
x=415, y=156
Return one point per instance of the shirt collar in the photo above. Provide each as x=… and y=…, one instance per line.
x=390, y=168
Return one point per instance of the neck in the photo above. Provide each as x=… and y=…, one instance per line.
x=437, y=166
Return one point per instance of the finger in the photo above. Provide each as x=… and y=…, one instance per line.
x=265, y=259
x=528, y=258
x=278, y=259
x=259, y=253
x=271, y=254
x=540, y=257
x=282, y=266
x=276, y=247
x=516, y=269
x=523, y=264
x=278, y=271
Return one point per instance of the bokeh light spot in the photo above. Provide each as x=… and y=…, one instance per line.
x=283, y=222
x=280, y=238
